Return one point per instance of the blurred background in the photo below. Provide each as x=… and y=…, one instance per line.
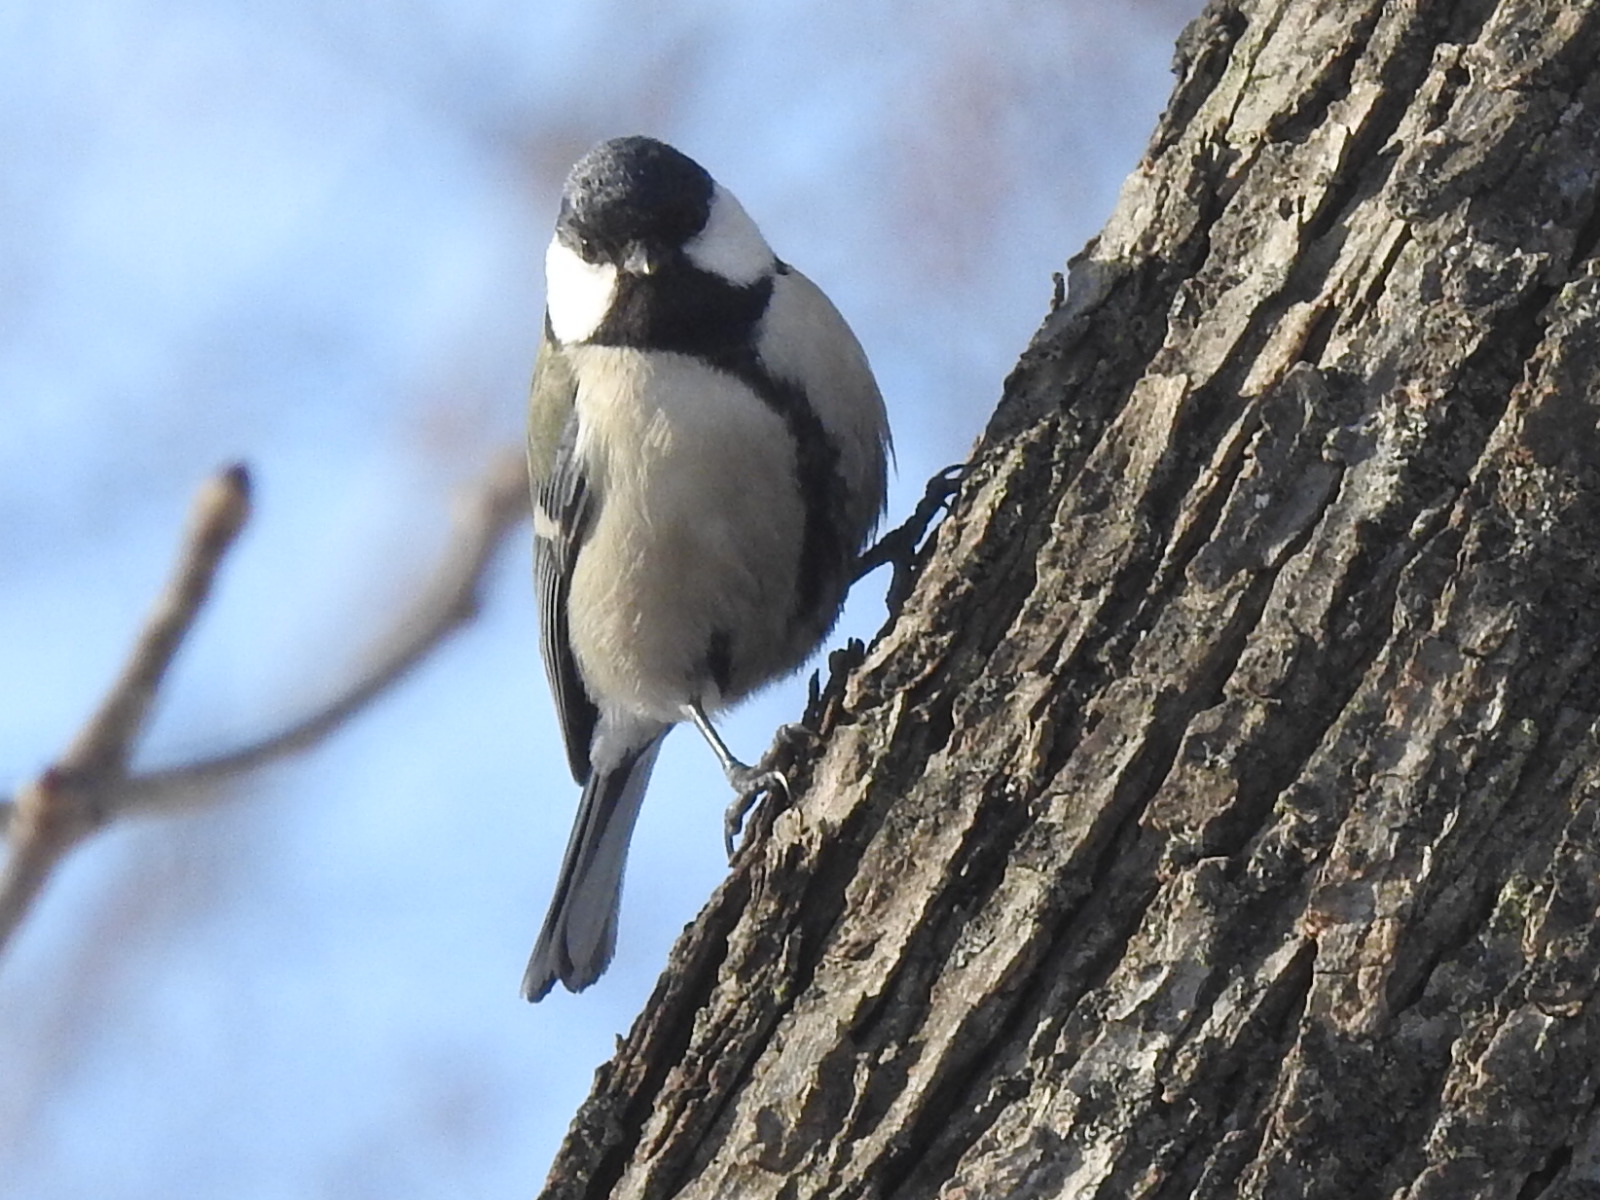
x=308, y=234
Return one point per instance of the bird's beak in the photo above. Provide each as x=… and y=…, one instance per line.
x=642, y=259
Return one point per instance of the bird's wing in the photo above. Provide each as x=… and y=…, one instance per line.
x=561, y=513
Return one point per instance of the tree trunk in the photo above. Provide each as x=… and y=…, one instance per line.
x=1219, y=816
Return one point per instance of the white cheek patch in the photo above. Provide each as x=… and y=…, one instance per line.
x=577, y=293
x=730, y=245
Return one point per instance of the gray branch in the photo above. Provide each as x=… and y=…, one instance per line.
x=89, y=785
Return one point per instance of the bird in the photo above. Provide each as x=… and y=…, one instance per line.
x=708, y=453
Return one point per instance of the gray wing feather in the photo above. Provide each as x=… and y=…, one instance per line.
x=562, y=507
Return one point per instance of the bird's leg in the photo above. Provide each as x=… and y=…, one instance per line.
x=749, y=783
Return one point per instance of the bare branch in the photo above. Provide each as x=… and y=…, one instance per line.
x=68, y=801
x=89, y=786
x=42, y=827
x=495, y=507
x=220, y=510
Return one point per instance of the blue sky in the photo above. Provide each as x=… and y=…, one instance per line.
x=309, y=236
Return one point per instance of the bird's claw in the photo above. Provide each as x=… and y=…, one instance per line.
x=900, y=546
x=763, y=779
x=749, y=785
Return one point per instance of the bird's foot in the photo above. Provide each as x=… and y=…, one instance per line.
x=749, y=784
x=766, y=778
x=899, y=547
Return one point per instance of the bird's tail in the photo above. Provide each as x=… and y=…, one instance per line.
x=580, y=931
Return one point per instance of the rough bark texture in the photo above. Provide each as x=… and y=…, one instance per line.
x=1219, y=818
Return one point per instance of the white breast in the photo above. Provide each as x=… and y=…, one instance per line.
x=697, y=535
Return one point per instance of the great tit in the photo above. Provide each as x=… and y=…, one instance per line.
x=707, y=450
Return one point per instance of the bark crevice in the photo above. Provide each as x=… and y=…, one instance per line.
x=1219, y=816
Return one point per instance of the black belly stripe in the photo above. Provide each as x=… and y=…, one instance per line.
x=719, y=659
x=824, y=559
x=688, y=311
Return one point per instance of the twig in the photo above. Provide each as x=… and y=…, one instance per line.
x=89, y=786
x=493, y=509
x=220, y=510
x=70, y=799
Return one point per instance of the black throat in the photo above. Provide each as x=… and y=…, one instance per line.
x=684, y=310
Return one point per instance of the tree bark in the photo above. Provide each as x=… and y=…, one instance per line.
x=1219, y=816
